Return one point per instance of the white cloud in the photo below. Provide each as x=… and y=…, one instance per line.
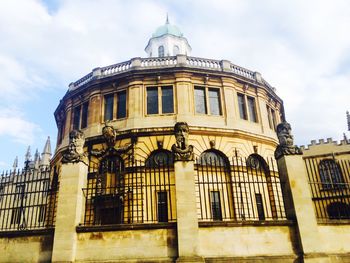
x=14, y=126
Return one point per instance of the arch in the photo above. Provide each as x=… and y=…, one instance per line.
x=161, y=51
x=330, y=174
x=256, y=161
x=338, y=210
x=214, y=157
x=159, y=158
x=176, y=50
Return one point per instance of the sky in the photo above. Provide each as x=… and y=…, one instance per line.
x=302, y=48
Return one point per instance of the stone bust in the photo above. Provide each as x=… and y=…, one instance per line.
x=181, y=149
x=75, y=152
x=286, y=144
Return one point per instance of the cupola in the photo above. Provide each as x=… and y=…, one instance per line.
x=167, y=40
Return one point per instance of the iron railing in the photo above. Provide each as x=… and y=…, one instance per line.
x=329, y=181
x=130, y=195
x=27, y=199
x=239, y=189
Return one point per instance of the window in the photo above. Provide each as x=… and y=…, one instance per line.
x=160, y=51
x=109, y=103
x=330, y=174
x=252, y=109
x=76, y=118
x=200, y=101
x=213, y=157
x=121, y=104
x=16, y=216
x=162, y=206
x=338, y=210
x=84, y=115
x=42, y=212
x=176, y=50
x=260, y=206
x=159, y=158
x=207, y=98
x=160, y=100
x=215, y=205
x=242, y=107
x=271, y=117
x=247, y=108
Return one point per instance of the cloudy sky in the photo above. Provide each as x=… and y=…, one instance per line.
x=300, y=47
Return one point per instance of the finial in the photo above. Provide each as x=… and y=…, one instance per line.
x=15, y=163
x=28, y=154
x=167, y=19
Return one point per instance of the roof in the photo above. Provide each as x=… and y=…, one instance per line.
x=167, y=29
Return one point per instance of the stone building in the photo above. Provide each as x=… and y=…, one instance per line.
x=176, y=158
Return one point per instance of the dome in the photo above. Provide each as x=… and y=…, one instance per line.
x=167, y=29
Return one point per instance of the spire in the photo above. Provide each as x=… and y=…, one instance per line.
x=167, y=19
x=36, y=159
x=28, y=155
x=348, y=119
x=15, y=163
x=46, y=154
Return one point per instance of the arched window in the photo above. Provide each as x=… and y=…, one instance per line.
x=176, y=50
x=160, y=51
x=213, y=157
x=159, y=158
x=330, y=174
x=338, y=210
x=255, y=161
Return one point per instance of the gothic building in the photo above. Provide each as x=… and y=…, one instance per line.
x=174, y=158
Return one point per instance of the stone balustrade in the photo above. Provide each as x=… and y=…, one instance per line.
x=168, y=62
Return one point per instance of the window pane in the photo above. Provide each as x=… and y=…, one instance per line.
x=162, y=206
x=214, y=102
x=161, y=51
x=121, y=104
x=252, y=109
x=199, y=97
x=260, y=206
x=242, y=107
x=274, y=122
x=269, y=117
x=109, y=107
x=152, y=100
x=84, y=115
x=167, y=99
x=215, y=205
x=76, y=118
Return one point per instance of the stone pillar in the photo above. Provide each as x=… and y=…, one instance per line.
x=186, y=208
x=70, y=203
x=69, y=211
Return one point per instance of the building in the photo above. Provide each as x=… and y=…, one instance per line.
x=172, y=158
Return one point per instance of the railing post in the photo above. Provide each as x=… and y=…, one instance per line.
x=135, y=63
x=70, y=202
x=181, y=60
x=186, y=209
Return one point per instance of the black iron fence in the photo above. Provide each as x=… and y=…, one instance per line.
x=238, y=189
x=137, y=193
x=27, y=199
x=329, y=181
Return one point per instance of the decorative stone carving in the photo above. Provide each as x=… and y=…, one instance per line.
x=285, y=137
x=75, y=152
x=181, y=149
x=110, y=134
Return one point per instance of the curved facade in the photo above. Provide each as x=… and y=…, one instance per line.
x=231, y=107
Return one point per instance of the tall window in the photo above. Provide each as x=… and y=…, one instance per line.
x=252, y=109
x=200, y=101
x=76, y=118
x=160, y=100
x=215, y=205
x=271, y=117
x=242, y=107
x=247, y=107
x=162, y=206
x=109, y=103
x=207, y=98
x=331, y=177
x=260, y=206
x=84, y=115
x=160, y=51
x=121, y=104
x=176, y=50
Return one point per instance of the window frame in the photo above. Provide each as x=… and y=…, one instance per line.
x=115, y=105
x=159, y=89
x=216, y=216
x=208, y=107
x=245, y=109
x=271, y=116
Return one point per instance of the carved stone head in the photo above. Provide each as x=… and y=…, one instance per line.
x=109, y=134
x=181, y=131
x=284, y=134
x=75, y=152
